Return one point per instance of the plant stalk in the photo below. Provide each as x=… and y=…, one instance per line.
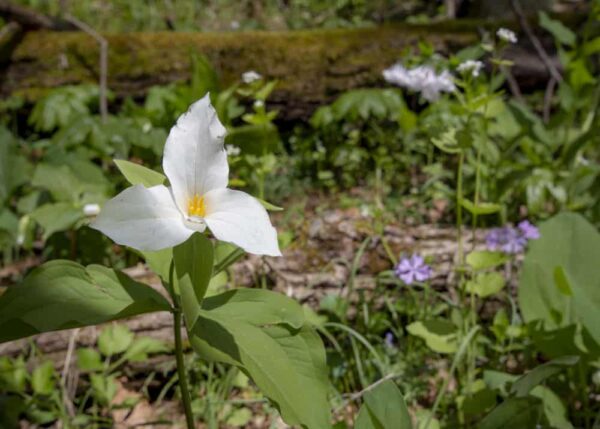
x=181, y=372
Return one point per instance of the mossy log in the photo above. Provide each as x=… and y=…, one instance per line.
x=311, y=66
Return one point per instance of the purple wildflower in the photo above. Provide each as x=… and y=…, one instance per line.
x=389, y=340
x=413, y=269
x=506, y=239
x=529, y=231
x=511, y=240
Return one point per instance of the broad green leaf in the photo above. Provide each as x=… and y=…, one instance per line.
x=256, y=306
x=484, y=259
x=239, y=417
x=570, y=242
x=57, y=217
x=59, y=181
x=9, y=227
x=138, y=174
x=89, y=359
x=514, y=413
x=480, y=208
x=425, y=420
x=159, y=261
x=193, y=261
x=478, y=402
x=63, y=294
x=15, y=170
x=114, y=339
x=560, y=32
x=439, y=335
x=569, y=340
x=554, y=410
x=383, y=407
x=536, y=376
x=104, y=388
x=486, y=284
x=561, y=281
x=13, y=374
x=42, y=378
x=11, y=409
x=141, y=347
x=254, y=330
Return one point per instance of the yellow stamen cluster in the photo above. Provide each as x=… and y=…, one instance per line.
x=196, y=206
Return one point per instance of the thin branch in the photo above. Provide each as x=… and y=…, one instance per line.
x=65, y=372
x=103, y=43
x=513, y=85
x=548, y=99
x=539, y=48
x=31, y=19
x=357, y=395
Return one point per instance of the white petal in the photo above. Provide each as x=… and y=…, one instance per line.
x=143, y=218
x=194, y=158
x=239, y=218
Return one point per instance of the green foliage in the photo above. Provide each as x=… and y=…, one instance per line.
x=61, y=106
x=63, y=294
x=138, y=174
x=439, y=335
x=383, y=408
x=263, y=333
x=568, y=242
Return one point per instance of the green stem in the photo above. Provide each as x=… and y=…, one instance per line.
x=457, y=358
x=459, y=219
x=185, y=393
x=584, y=395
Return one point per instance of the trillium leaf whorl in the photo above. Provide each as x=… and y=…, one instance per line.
x=195, y=162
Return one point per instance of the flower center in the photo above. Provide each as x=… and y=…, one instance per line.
x=196, y=206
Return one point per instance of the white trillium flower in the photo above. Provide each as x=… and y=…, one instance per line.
x=195, y=162
x=250, y=76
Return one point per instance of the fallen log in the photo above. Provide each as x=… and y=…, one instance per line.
x=312, y=66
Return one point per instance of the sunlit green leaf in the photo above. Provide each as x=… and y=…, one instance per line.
x=138, y=174
x=62, y=295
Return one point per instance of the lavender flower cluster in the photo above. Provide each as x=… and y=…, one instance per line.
x=510, y=239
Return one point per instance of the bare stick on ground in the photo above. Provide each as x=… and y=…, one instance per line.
x=103, y=43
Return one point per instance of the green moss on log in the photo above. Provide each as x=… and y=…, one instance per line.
x=310, y=65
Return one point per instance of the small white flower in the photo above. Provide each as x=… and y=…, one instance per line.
x=250, y=76
x=91, y=209
x=259, y=103
x=422, y=79
x=470, y=66
x=232, y=150
x=235, y=25
x=195, y=162
x=507, y=35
